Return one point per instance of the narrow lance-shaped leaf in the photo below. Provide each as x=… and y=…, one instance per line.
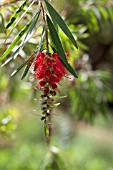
x=54, y=49
x=26, y=70
x=2, y=24
x=7, y=61
x=56, y=17
x=41, y=43
x=42, y=39
x=16, y=40
x=37, y=51
x=56, y=40
x=19, y=68
x=30, y=31
x=34, y=21
x=46, y=130
x=19, y=21
x=16, y=14
x=28, y=35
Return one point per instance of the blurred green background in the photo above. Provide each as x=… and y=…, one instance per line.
x=83, y=123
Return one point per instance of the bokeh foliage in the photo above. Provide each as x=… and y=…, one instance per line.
x=89, y=97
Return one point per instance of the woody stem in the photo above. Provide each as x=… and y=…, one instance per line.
x=48, y=121
x=44, y=19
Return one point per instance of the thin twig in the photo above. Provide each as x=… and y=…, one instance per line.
x=44, y=19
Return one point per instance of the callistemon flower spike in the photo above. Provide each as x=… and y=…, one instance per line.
x=49, y=71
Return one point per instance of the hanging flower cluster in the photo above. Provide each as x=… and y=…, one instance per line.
x=49, y=70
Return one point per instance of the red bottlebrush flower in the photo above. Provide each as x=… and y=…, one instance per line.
x=42, y=83
x=39, y=75
x=49, y=70
x=49, y=61
x=59, y=75
x=54, y=86
x=53, y=93
x=46, y=91
x=53, y=80
x=40, y=55
x=47, y=73
x=39, y=60
x=55, y=55
x=49, y=67
x=57, y=69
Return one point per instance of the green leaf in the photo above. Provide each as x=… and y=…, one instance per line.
x=26, y=70
x=54, y=49
x=33, y=24
x=46, y=130
x=16, y=14
x=16, y=40
x=2, y=23
x=57, y=18
x=28, y=35
x=19, y=36
x=19, y=20
x=7, y=61
x=56, y=40
x=42, y=39
x=20, y=67
x=110, y=12
x=38, y=49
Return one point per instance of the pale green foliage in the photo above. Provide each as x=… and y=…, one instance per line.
x=88, y=96
x=7, y=121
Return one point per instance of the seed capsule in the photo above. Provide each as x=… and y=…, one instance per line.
x=43, y=108
x=44, y=95
x=44, y=103
x=48, y=114
x=43, y=118
x=44, y=112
